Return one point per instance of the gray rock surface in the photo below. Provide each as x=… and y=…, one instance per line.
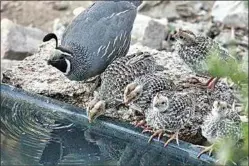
x=154, y=35
x=231, y=13
x=18, y=42
x=61, y=5
x=148, y=31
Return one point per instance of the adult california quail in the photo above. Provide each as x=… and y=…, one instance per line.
x=94, y=39
x=194, y=50
x=169, y=112
x=114, y=79
x=222, y=122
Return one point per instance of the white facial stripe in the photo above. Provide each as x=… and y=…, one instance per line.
x=61, y=52
x=68, y=66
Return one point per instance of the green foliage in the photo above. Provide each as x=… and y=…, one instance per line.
x=246, y=4
x=238, y=73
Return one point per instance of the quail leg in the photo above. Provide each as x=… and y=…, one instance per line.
x=172, y=137
x=205, y=149
x=157, y=133
x=212, y=83
x=140, y=123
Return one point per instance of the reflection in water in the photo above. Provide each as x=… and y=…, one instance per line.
x=53, y=133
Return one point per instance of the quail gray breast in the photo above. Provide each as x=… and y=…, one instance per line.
x=219, y=124
x=116, y=76
x=194, y=50
x=94, y=39
x=170, y=112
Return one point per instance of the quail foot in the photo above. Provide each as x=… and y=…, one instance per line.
x=195, y=50
x=95, y=38
x=116, y=76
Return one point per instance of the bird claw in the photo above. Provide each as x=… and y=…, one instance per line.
x=208, y=149
x=158, y=133
x=172, y=137
x=147, y=129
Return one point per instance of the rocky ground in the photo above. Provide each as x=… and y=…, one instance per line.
x=23, y=55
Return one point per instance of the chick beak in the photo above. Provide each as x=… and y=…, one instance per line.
x=91, y=117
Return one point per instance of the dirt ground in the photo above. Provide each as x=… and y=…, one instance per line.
x=27, y=12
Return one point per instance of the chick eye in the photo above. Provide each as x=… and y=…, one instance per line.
x=61, y=57
x=181, y=37
x=163, y=102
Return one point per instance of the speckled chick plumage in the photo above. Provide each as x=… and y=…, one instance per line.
x=120, y=73
x=150, y=85
x=171, y=111
x=220, y=124
x=194, y=50
x=96, y=37
x=123, y=71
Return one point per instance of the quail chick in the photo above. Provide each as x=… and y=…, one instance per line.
x=95, y=38
x=220, y=124
x=116, y=76
x=169, y=112
x=139, y=93
x=194, y=50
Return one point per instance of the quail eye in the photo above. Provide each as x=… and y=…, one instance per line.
x=61, y=58
x=163, y=102
x=181, y=37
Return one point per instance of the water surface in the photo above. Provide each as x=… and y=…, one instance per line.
x=37, y=130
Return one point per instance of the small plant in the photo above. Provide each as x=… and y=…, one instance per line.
x=238, y=73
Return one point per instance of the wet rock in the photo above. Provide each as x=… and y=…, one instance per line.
x=18, y=42
x=148, y=31
x=231, y=13
x=61, y=5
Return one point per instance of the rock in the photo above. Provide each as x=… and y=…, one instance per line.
x=159, y=9
x=18, y=42
x=224, y=37
x=4, y=5
x=77, y=11
x=148, y=31
x=61, y=5
x=7, y=64
x=231, y=13
x=154, y=35
x=59, y=27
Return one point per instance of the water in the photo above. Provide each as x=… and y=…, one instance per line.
x=36, y=130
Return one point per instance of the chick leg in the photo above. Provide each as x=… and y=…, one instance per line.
x=172, y=137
